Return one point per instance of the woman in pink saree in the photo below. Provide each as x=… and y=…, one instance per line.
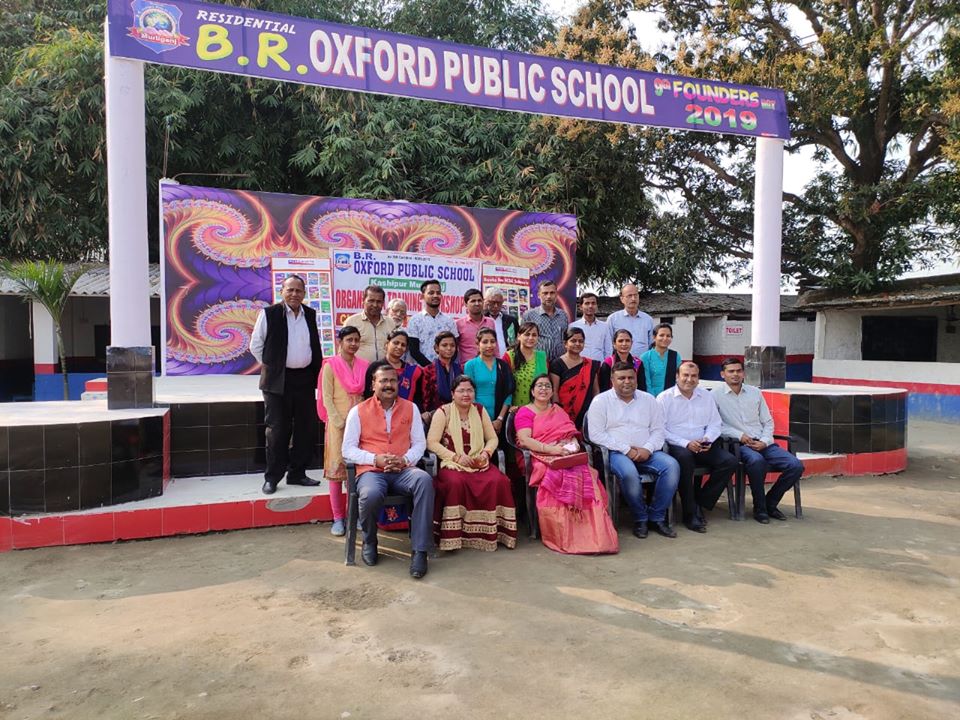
x=571, y=502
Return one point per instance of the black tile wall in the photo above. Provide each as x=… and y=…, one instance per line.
x=95, y=443
x=26, y=447
x=62, y=489
x=61, y=445
x=184, y=439
x=26, y=492
x=4, y=449
x=58, y=468
x=847, y=423
x=95, y=486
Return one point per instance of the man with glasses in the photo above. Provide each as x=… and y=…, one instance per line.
x=631, y=318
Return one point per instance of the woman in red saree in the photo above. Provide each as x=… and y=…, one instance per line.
x=571, y=502
x=574, y=377
x=473, y=504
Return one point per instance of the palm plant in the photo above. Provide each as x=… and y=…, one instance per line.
x=49, y=284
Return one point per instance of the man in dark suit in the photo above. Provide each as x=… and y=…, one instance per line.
x=286, y=343
x=506, y=324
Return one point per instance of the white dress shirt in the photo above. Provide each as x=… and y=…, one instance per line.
x=299, y=354
x=620, y=425
x=688, y=419
x=744, y=414
x=351, y=438
x=597, y=345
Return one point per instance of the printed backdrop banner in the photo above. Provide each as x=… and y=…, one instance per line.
x=221, y=249
x=400, y=275
x=261, y=44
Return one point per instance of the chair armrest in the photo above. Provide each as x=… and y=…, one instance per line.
x=430, y=464
x=788, y=438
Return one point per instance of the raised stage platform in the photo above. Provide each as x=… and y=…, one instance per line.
x=75, y=472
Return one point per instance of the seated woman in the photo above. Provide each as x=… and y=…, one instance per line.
x=409, y=375
x=525, y=361
x=339, y=388
x=574, y=377
x=571, y=502
x=660, y=363
x=439, y=375
x=492, y=378
x=622, y=343
x=473, y=504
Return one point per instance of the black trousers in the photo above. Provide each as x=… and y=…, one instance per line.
x=294, y=413
x=722, y=465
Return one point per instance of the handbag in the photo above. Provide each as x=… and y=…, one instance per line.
x=559, y=462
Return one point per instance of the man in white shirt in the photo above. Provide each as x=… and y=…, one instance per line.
x=691, y=424
x=633, y=319
x=746, y=419
x=384, y=436
x=628, y=422
x=424, y=327
x=598, y=344
x=286, y=343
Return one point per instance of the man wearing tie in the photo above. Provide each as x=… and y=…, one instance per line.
x=286, y=343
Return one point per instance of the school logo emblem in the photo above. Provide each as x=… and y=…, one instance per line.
x=157, y=26
x=341, y=261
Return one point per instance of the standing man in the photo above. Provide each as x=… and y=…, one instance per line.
x=629, y=424
x=633, y=319
x=383, y=435
x=550, y=319
x=397, y=310
x=470, y=324
x=373, y=325
x=746, y=419
x=598, y=344
x=691, y=424
x=428, y=323
x=286, y=343
x=505, y=324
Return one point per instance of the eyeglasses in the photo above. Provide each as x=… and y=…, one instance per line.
x=542, y=386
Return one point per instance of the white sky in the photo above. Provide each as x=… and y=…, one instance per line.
x=798, y=167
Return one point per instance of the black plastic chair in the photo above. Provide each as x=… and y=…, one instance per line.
x=510, y=433
x=429, y=463
x=612, y=485
x=734, y=488
x=741, y=474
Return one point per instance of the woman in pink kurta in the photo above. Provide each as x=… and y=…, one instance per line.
x=571, y=503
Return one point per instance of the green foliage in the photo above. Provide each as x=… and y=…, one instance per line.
x=47, y=284
x=868, y=89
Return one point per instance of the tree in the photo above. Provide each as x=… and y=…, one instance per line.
x=48, y=284
x=868, y=90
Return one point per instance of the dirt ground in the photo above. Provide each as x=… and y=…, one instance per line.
x=853, y=612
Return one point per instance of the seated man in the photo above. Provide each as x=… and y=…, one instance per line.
x=746, y=419
x=383, y=435
x=628, y=422
x=691, y=424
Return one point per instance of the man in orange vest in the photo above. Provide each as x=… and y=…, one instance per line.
x=383, y=435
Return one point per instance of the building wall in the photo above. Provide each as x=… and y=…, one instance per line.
x=715, y=338
x=839, y=332
x=16, y=349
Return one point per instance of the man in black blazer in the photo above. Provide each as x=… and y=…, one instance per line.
x=286, y=343
x=506, y=324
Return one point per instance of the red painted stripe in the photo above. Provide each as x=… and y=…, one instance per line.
x=920, y=388
x=45, y=368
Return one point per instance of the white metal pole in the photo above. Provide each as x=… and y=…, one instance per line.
x=127, y=200
x=767, y=235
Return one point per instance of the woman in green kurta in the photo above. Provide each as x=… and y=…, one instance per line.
x=526, y=362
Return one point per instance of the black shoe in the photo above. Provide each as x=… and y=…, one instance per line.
x=640, y=529
x=761, y=517
x=695, y=525
x=269, y=488
x=305, y=481
x=418, y=564
x=701, y=515
x=776, y=514
x=663, y=528
x=369, y=554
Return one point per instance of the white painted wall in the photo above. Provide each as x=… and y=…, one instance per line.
x=720, y=336
x=838, y=335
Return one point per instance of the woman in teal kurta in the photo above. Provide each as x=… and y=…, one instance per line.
x=493, y=378
x=659, y=362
